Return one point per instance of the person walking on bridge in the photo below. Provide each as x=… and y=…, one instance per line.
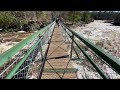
x=57, y=21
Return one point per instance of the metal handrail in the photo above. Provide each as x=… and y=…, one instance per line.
x=7, y=55
x=12, y=72
x=109, y=59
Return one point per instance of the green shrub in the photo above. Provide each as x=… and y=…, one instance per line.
x=6, y=18
x=74, y=16
x=9, y=30
x=86, y=17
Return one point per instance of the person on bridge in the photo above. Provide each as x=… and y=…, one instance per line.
x=57, y=21
x=42, y=25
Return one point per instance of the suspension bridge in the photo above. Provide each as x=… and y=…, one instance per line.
x=55, y=49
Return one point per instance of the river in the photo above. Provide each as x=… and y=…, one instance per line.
x=105, y=36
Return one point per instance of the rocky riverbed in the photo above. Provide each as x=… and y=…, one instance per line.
x=8, y=40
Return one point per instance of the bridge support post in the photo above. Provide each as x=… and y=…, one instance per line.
x=65, y=37
x=41, y=52
x=71, y=47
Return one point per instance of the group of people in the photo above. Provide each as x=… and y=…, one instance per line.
x=56, y=19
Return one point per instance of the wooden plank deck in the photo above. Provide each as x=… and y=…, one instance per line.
x=58, y=58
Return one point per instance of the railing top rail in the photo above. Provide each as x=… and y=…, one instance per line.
x=7, y=55
x=113, y=62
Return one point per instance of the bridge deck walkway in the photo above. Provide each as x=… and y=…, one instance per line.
x=58, y=58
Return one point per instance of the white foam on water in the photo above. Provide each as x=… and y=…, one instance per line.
x=98, y=31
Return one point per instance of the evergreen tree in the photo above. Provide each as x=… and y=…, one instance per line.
x=86, y=17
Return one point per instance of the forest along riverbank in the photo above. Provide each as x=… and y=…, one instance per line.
x=104, y=35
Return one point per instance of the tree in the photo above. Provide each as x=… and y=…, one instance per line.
x=6, y=18
x=117, y=20
x=86, y=17
x=74, y=16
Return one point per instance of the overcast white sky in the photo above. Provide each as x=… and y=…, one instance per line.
x=103, y=11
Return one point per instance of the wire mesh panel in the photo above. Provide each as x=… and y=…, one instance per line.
x=22, y=73
x=8, y=66
x=24, y=58
x=107, y=69
x=66, y=37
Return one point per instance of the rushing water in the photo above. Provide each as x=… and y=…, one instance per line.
x=104, y=35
